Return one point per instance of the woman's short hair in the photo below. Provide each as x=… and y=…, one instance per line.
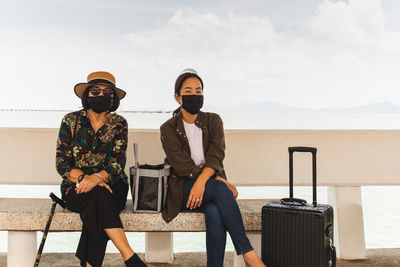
x=85, y=104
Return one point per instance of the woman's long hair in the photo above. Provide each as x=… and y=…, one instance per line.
x=187, y=73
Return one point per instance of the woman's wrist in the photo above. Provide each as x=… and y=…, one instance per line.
x=101, y=179
x=104, y=175
x=74, y=175
x=202, y=179
x=81, y=177
x=206, y=174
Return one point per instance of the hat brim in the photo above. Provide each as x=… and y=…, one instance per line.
x=80, y=88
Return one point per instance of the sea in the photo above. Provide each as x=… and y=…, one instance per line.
x=380, y=203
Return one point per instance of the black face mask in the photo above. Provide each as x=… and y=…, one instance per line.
x=192, y=103
x=99, y=104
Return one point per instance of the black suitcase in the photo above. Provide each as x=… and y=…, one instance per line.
x=297, y=234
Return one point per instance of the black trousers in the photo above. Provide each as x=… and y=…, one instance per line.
x=99, y=210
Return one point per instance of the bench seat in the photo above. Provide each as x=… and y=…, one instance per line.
x=23, y=214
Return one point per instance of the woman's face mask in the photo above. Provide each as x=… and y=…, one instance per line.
x=100, y=98
x=192, y=103
x=100, y=104
x=191, y=95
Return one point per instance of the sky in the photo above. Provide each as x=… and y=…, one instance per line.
x=310, y=53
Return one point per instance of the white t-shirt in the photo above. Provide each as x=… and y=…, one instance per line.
x=195, y=137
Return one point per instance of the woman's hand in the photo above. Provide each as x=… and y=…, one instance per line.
x=106, y=186
x=233, y=189
x=230, y=186
x=89, y=182
x=196, y=194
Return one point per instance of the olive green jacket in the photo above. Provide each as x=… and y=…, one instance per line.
x=176, y=147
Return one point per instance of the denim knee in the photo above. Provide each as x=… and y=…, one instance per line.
x=212, y=214
x=218, y=188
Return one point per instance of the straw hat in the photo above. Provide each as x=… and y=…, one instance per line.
x=99, y=77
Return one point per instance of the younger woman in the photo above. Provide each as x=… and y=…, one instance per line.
x=195, y=146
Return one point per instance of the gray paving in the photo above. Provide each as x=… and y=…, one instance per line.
x=387, y=257
x=197, y=259
x=376, y=258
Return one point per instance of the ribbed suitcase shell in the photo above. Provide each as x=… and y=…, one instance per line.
x=296, y=236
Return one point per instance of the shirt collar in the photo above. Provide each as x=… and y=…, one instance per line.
x=199, y=122
x=109, y=119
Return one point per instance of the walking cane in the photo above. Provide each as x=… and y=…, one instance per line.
x=56, y=201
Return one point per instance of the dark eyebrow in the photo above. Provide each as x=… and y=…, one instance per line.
x=188, y=87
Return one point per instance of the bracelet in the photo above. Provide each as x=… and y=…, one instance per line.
x=100, y=176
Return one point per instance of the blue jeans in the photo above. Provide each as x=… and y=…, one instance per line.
x=222, y=214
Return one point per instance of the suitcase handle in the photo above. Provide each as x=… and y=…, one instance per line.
x=302, y=149
x=313, y=151
x=294, y=201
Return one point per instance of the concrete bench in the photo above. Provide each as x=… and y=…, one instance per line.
x=22, y=217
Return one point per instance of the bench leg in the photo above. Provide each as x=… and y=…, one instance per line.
x=349, y=223
x=159, y=247
x=22, y=248
x=255, y=240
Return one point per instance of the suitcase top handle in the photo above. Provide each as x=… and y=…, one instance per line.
x=302, y=149
x=294, y=201
x=313, y=151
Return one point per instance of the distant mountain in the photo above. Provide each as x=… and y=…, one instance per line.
x=378, y=107
x=270, y=106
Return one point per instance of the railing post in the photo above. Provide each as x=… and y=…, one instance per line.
x=349, y=223
x=255, y=241
x=22, y=248
x=159, y=247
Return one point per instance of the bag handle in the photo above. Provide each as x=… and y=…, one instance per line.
x=313, y=151
x=135, y=154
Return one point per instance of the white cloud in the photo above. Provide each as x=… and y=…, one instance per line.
x=353, y=22
x=245, y=59
x=348, y=58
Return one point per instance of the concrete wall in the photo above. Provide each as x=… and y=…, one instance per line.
x=253, y=157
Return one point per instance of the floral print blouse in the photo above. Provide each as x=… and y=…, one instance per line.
x=80, y=147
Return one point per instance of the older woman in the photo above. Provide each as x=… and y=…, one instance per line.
x=195, y=146
x=91, y=156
